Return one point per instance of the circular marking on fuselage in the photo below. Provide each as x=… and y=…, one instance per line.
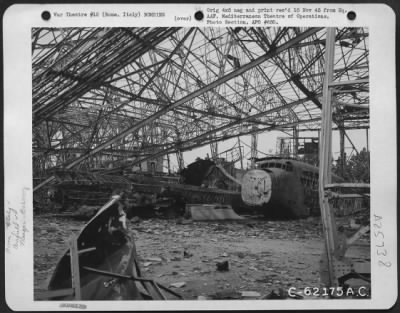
x=256, y=188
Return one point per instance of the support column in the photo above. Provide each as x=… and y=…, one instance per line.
x=214, y=150
x=179, y=157
x=328, y=219
x=295, y=141
x=342, y=154
x=253, y=152
x=240, y=153
x=169, y=164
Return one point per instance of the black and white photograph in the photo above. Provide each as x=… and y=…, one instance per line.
x=221, y=162
x=201, y=148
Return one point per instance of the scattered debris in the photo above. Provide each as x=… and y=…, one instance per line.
x=208, y=212
x=186, y=221
x=162, y=243
x=203, y=298
x=135, y=219
x=226, y=294
x=276, y=294
x=300, y=266
x=154, y=259
x=187, y=254
x=265, y=279
x=178, y=285
x=86, y=211
x=250, y=294
x=223, y=266
x=240, y=255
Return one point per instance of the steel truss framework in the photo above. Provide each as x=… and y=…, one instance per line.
x=135, y=93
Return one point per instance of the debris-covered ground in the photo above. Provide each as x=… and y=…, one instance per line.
x=261, y=255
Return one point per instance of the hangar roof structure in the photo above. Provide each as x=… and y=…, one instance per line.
x=140, y=93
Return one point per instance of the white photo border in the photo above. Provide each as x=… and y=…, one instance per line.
x=18, y=22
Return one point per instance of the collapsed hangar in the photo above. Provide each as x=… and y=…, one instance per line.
x=110, y=99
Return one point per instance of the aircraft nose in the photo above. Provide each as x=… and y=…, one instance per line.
x=256, y=188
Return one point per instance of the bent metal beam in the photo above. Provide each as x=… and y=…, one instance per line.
x=237, y=72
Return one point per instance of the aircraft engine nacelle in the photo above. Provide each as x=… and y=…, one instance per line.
x=256, y=188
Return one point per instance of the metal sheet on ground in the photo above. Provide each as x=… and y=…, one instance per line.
x=205, y=212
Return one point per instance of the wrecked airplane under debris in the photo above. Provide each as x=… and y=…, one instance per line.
x=102, y=263
x=277, y=187
x=79, y=194
x=283, y=187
